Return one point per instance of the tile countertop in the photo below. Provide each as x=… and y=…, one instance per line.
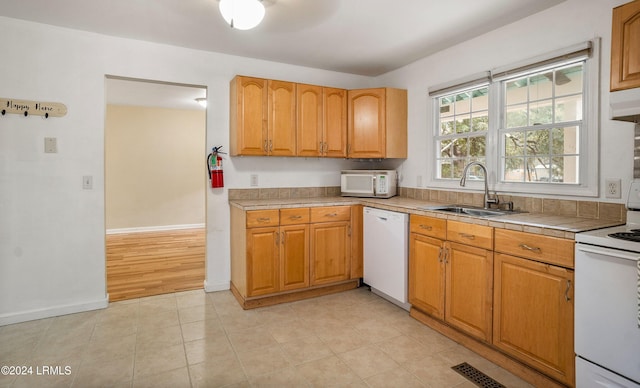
x=545, y=224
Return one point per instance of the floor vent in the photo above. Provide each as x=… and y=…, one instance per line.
x=475, y=376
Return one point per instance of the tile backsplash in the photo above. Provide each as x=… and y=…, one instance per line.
x=562, y=207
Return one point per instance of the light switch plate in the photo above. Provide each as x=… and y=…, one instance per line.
x=87, y=182
x=50, y=145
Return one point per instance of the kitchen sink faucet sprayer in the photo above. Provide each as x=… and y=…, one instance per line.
x=487, y=199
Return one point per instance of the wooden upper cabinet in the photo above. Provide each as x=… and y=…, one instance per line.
x=322, y=121
x=625, y=47
x=377, y=124
x=310, y=117
x=248, y=116
x=334, y=133
x=282, y=118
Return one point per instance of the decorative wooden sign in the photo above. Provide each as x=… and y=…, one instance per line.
x=37, y=108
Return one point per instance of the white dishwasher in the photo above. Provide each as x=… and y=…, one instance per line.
x=386, y=241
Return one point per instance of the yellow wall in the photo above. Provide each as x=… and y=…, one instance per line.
x=154, y=166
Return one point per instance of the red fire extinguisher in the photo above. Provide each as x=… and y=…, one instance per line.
x=214, y=166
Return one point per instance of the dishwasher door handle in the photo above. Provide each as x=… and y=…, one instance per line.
x=382, y=218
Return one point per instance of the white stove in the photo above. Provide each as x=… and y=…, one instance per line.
x=604, y=238
x=607, y=292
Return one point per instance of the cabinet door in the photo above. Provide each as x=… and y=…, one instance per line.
x=367, y=126
x=248, y=118
x=533, y=314
x=330, y=257
x=469, y=289
x=309, y=119
x=426, y=274
x=282, y=118
x=294, y=257
x=262, y=261
x=334, y=134
x=625, y=47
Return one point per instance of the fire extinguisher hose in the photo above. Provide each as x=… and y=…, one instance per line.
x=209, y=164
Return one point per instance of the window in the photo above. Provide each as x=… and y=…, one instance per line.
x=462, y=130
x=542, y=126
x=527, y=124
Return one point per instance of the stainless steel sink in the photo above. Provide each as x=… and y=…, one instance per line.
x=470, y=211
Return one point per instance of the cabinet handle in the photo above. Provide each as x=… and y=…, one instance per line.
x=320, y=146
x=331, y=215
x=265, y=146
x=467, y=235
x=282, y=239
x=270, y=145
x=324, y=147
x=263, y=219
x=427, y=227
x=440, y=255
x=566, y=291
x=295, y=217
x=446, y=254
x=277, y=238
x=528, y=248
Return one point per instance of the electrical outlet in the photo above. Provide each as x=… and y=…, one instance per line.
x=612, y=188
x=253, y=180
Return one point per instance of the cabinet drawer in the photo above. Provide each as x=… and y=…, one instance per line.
x=330, y=213
x=294, y=216
x=429, y=226
x=470, y=234
x=547, y=249
x=259, y=218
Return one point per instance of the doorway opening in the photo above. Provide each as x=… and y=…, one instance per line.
x=155, y=187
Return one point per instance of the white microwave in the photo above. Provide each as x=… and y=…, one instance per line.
x=368, y=183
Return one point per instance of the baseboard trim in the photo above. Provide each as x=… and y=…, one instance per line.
x=54, y=311
x=213, y=287
x=154, y=228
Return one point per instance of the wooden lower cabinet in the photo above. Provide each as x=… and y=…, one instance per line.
x=533, y=314
x=469, y=287
x=263, y=264
x=280, y=255
x=294, y=257
x=451, y=281
x=330, y=252
x=426, y=274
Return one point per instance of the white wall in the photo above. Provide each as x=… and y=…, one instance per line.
x=52, y=254
x=52, y=257
x=569, y=23
x=154, y=170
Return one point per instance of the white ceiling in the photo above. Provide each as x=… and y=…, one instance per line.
x=366, y=37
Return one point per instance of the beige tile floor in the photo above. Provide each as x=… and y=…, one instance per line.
x=195, y=339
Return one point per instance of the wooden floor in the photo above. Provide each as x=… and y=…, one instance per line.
x=152, y=263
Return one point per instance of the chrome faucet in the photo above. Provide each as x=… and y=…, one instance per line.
x=487, y=198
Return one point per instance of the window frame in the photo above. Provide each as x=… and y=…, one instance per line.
x=588, y=137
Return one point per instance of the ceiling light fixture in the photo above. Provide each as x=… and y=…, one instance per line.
x=202, y=101
x=242, y=14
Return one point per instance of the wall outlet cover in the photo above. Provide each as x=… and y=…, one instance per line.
x=612, y=188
